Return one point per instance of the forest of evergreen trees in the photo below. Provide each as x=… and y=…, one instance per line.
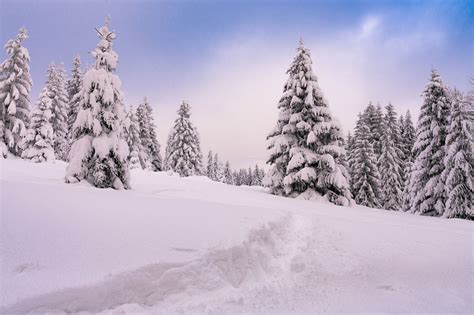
x=386, y=162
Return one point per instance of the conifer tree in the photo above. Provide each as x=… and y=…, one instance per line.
x=366, y=187
x=257, y=176
x=459, y=163
x=390, y=162
x=15, y=87
x=166, y=165
x=316, y=156
x=249, y=177
x=374, y=121
x=132, y=136
x=243, y=176
x=408, y=137
x=38, y=143
x=73, y=87
x=218, y=169
x=151, y=158
x=184, y=149
x=228, y=174
x=427, y=191
x=215, y=167
x=99, y=153
x=154, y=148
x=350, y=147
x=408, y=140
x=210, y=167
x=235, y=178
x=59, y=97
x=144, y=130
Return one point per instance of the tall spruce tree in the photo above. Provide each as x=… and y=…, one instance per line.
x=366, y=178
x=156, y=161
x=408, y=140
x=458, y=171
x=166, y=165
x=408, y=137
x=210, y=172
x=350, y=150
x=99, y=154
x=59, y=97
x=15, y=87
x=390, y=162
x=228, y=174
x=427, y=191
x=144, y=130
x=249, y=180
x=257, y=176
x=316, y=157
x=38, y=143
x=218, y=169
x=374, y=121
x=184, y=149
x=132, y=136
x=73, y=87
x=151, y=157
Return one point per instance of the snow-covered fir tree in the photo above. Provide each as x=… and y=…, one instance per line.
x=366, y=178
x=316, y=157
x=215, y=166
x=390, y=162
x=426, y=187
x=154, y=148
x=15, y=87
x=151, y=157
x=228, y=177
x=407, y=136
x=235, y=178
x=74, y=85
x=184, y=150
x=38, y=143
x=350, y=146
x=132, y=135
x=99, y=153
x=166, y=165
x=59, y=97
x=374, y=120
x=144, y=130
x=243, y=175
x=210, y=171
x=459, y=163
x=249, y=179
x=218, y=169
x=408, y=140
x=257, y=176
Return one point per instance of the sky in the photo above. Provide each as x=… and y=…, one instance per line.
x=228, y=59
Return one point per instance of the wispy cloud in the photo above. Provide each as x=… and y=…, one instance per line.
x=369, y=25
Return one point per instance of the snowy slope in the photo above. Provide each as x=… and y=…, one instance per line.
x=192, y=245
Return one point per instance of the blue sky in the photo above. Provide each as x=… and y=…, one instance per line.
x=228, y=58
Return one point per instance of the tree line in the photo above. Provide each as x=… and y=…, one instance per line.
x=385, y=163
x=82, y=120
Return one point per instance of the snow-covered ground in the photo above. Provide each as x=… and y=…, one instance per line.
x=191, y=245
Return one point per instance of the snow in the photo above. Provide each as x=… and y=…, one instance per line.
x=172, y=245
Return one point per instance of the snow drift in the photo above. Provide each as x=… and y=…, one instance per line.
x=191, y=245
